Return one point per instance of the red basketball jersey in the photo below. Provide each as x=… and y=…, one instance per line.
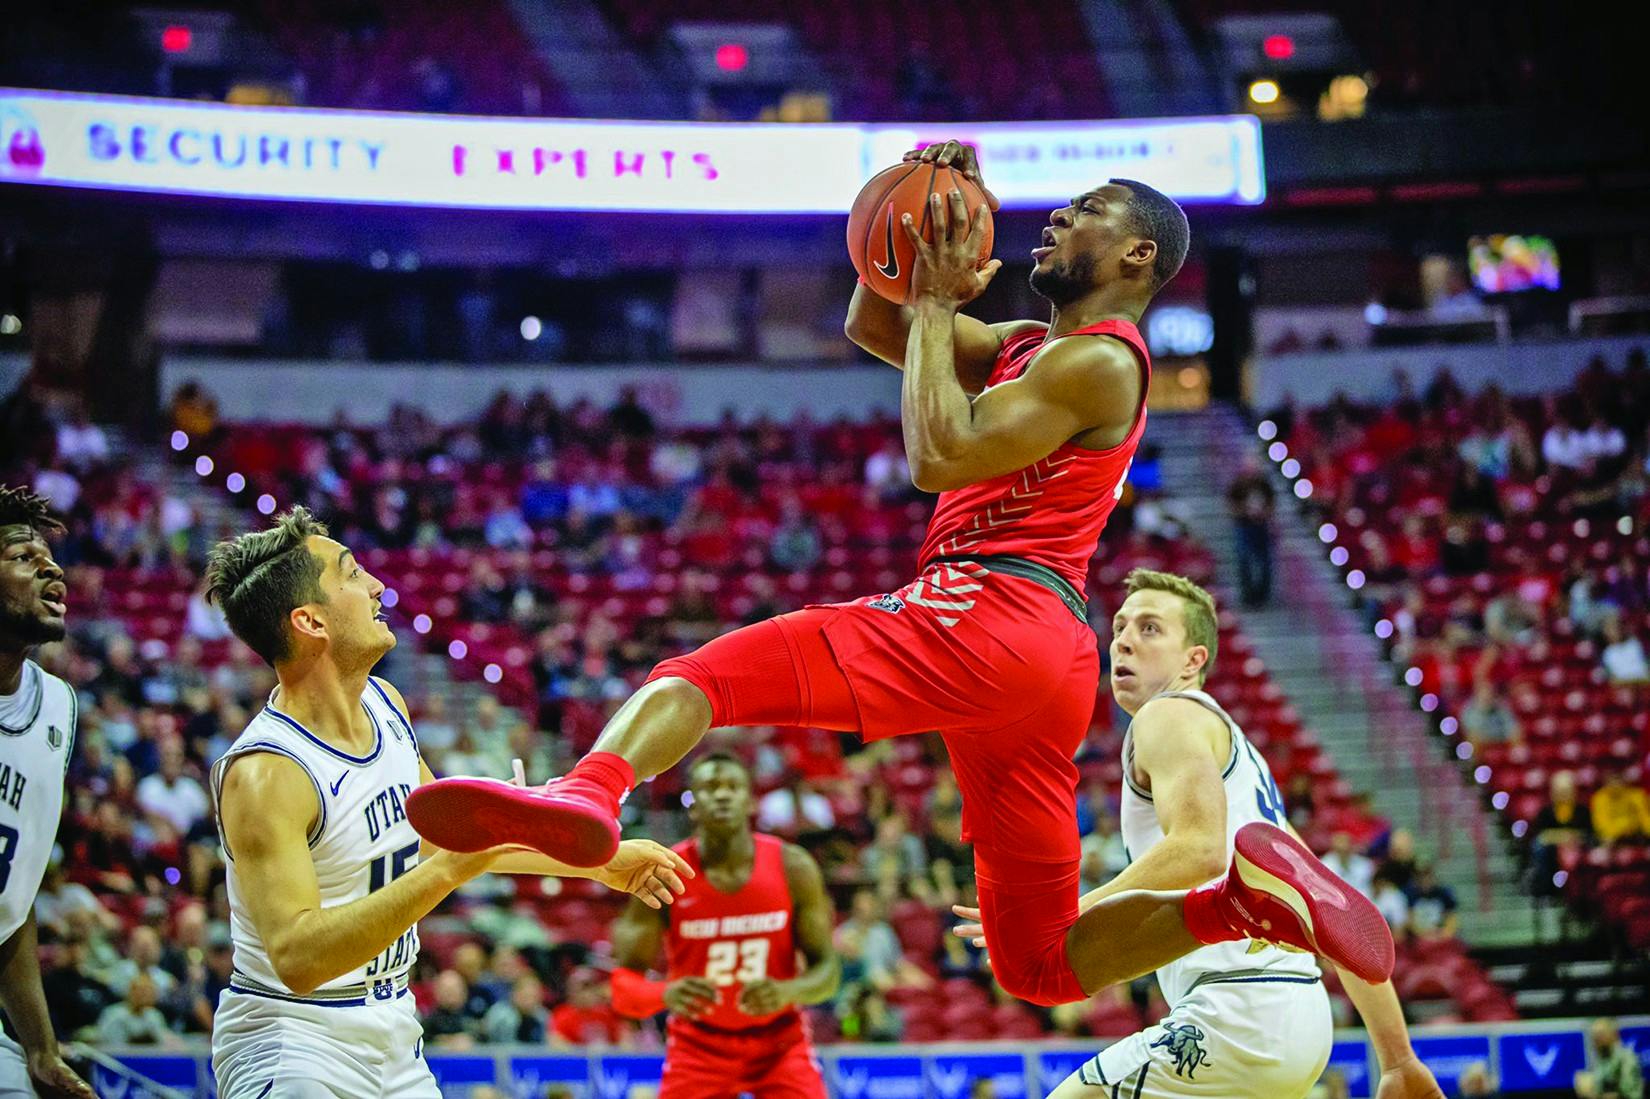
x=1050, y=512
x=733, y=937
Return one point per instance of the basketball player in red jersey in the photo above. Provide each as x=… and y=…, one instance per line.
x=731, y=946
x=1026, y=430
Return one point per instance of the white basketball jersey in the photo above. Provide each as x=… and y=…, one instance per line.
x=37, y=726
x=361, y=840
x=1251, y=795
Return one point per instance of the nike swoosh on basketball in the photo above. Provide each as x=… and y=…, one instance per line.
x=339, y=783
x=889, y=267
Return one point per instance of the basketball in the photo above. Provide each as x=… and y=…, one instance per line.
x=878, y=246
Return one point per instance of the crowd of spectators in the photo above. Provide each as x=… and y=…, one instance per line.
x=133, y=913
x=1443, y=486
x=1500, y=547
x=610, y=496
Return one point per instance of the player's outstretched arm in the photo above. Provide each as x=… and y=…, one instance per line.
x=267, y=806
x=24, y=999
x=1403, y=1076
x=812, y=921
x=643, y=868
x=649, y=871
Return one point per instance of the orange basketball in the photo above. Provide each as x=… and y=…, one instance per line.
x=876, y=241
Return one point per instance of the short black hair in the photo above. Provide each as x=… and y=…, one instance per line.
x=20, y=507
x=717, y=755
x=259, y=577
x=1159, y=219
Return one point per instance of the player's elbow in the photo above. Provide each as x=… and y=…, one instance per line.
x=933, y=475
x=1208, y=858
x=297, y=967
x=1201, y=855
x=1216, y=867
x=871, y=340
x=833, y=980
x=858, y=332
x=300, y=977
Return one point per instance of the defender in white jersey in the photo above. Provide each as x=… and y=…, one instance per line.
x=37, y=729
x=1248, y=1018
x=326, y=878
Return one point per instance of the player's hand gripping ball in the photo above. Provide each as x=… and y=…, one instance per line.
x=881, y=251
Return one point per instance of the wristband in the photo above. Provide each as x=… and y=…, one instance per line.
x=636, y=997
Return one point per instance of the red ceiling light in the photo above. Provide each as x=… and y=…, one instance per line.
x=176, y=38
x=731, y=57
x=1279, y=47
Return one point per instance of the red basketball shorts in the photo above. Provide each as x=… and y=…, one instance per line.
x=1002, y=670
x=769, y=1063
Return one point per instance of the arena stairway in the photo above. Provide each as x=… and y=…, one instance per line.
x=1151, y=66
x=601, y=76
x=1317, y=650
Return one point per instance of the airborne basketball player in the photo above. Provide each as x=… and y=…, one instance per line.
x=731, y=942
x=1026, y=430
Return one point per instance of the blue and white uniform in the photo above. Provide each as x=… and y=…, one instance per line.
x=358, y=1035
x=37, y=727
x=1246, y=1019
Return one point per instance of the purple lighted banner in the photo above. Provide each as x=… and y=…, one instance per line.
x=302, y=154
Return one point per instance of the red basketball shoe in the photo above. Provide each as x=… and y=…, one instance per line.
x=1279, y=892
x=563, y=819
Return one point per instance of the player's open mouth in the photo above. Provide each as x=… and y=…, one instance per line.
x=1121, y=672
x=54, y=597
x=380, y=617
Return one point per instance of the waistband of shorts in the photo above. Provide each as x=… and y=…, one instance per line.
x=1254, y=977
x=790, y=1020
x=343, y=996
x=1009, y=565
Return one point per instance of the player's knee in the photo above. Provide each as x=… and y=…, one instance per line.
x=686, y=686
x=1046, y=980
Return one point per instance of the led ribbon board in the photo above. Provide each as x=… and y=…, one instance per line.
x=297, y=154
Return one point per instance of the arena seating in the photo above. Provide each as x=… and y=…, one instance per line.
x=1522, y=53
x=1046, y=68
x=149, y=597
x=1508, y=578
x=471, y=58
x=872, y=554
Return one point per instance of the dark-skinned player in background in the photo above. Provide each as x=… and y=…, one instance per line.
x=37, y=732
x=1027, y=431
x=733, y=983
